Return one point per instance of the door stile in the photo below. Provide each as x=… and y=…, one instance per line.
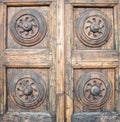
x=68, y=62
x=52, y=73
x=2, y=67
x=117, y=27
x=60, y=66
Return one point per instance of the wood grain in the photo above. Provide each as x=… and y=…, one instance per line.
x=92, y=2
x=91, y=58
x=27, y=58
x=117, y=91
x=60, y=66
x=110, y=74
x=15, y=59
x=68, y=62
x=80, y=59
x=60, y=59
x=26, y=2
x=52, y=72
x=2, y=68
x=26, y=116
x=12, y=11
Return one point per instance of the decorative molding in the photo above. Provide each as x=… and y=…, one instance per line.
x=93, y=90
x=28, y=27
x=27, y=90
x=93, y=28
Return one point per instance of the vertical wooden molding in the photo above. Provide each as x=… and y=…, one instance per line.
x=60, y=61
x=2, y=68
x=52, y=73
x=68, y=62
x=117, y=32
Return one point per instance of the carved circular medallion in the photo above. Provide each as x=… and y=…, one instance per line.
x=27, y=90
x=93, y=90
x=93, y=28
x=28, y=27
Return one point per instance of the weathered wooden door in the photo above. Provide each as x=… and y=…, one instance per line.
x=92, y=60
x=59, y=61
x=28, y=41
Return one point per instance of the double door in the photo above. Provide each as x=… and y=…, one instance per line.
x=59, y=61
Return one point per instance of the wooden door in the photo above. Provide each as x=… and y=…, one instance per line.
x=30, y=72
x=59, y=61
x=92, y=60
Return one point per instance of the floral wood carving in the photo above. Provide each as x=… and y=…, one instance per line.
x=93, y=90
x=27, y=90
x=93, y=28
x=28, y=27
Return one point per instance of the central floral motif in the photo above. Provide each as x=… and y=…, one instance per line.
x=27, y=26
x=94, y=27
x=94, y=90
x=27, y=90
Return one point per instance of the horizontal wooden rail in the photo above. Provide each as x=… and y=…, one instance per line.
x=92, y=2
x=29, y=58
x=91, y=58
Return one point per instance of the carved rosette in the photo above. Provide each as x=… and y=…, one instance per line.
x=27, y=90
x=93, y=90
x=28, y=27
x=93, y=28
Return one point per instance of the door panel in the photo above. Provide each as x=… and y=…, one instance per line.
x=42, y=14
x=28, y=61
x=92, y=61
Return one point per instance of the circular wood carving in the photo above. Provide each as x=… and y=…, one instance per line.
x=93, y=90
x=28, y=27
x=93, y=28
x=27, y=90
